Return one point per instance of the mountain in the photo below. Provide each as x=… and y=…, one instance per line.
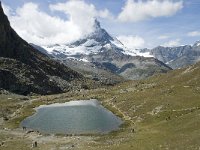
x=91, y=44
x=105, y=53
x=176, y=57
x=25, y=70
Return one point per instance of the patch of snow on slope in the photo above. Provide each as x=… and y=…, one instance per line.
x=137, y=52
x=146, y=54
x=197, y=43
x=78, y=59
x=90, y=43
x=127, y=51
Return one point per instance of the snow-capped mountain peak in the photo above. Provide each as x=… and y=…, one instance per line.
x=97, y=41
x=197, y=43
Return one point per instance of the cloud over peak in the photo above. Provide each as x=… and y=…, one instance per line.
x=38, y=27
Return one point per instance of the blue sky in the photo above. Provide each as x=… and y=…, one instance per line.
x=177, y=23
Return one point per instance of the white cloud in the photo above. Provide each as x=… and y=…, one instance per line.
x=134, y=11
x=105, y=14
x=36, y=26
x=172, y=43
x=194, y=33
x=163, y=37
x=132, y=42
x=81, y=13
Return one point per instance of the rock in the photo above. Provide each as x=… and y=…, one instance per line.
x=73, y=146
x=5, y=118
x=132, y=130
x=29, y=131
x=2, y=143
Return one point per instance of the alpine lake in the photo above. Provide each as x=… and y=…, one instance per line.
x=74, y=117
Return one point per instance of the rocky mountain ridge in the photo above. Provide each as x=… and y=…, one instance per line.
x=176, y=57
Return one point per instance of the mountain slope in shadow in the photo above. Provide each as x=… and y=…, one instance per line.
x=24, y=70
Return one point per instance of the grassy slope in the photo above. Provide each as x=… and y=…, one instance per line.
x=176, y=125
x=164, y=110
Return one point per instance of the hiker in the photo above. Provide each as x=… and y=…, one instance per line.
x=132, y=130
x=34, y=144
x=24, y=128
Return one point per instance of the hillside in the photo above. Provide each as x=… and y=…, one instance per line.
x=25, y=70
x=163, y=111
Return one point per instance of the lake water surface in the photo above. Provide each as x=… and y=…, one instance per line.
x=75, y=117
